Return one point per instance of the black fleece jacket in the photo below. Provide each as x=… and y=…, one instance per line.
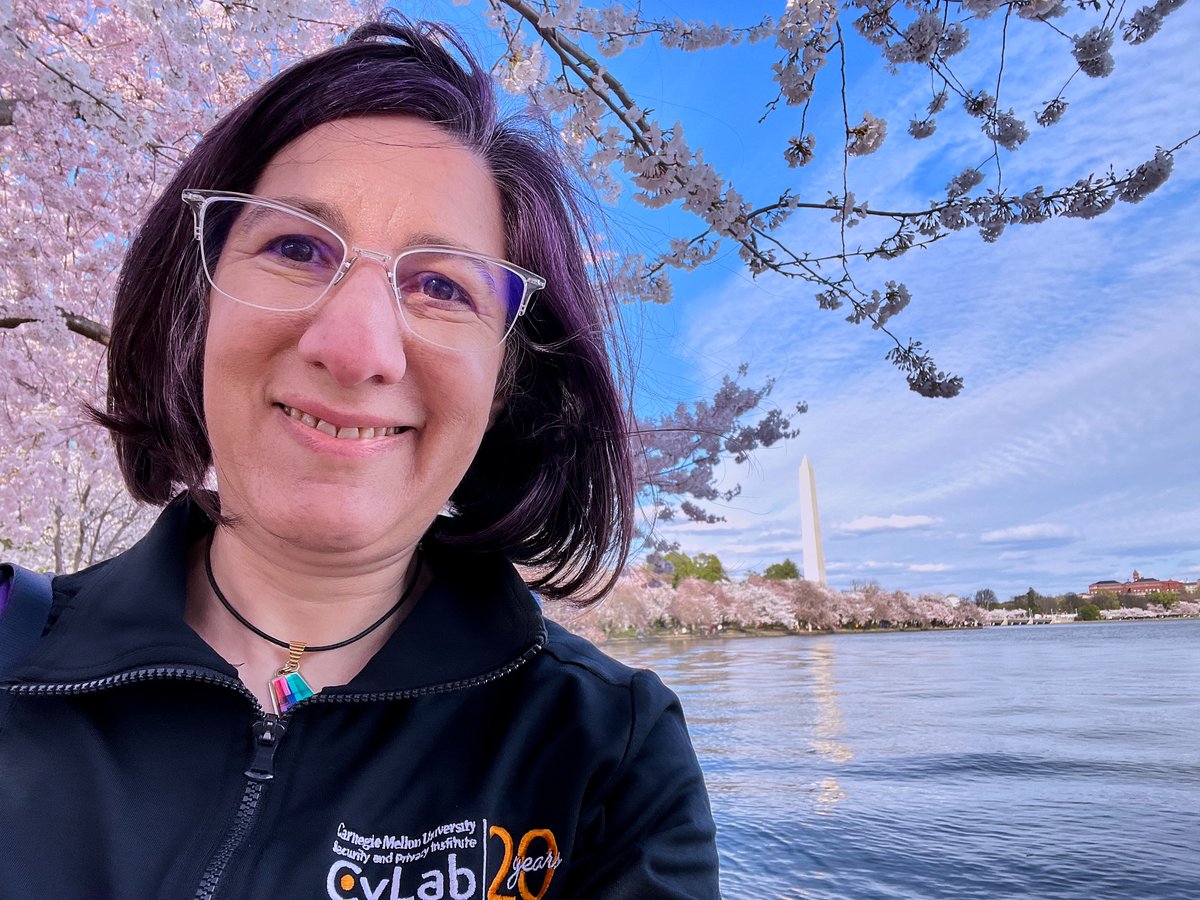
x=482, y=753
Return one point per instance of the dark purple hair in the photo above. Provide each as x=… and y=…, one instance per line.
x=551, y=485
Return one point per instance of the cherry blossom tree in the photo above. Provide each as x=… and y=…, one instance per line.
x=98, y=102
x=694, y=605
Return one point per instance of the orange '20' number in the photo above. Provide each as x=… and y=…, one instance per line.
x=522, y=853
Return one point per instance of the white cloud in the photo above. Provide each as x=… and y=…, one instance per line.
x=1016, y=556
x=874, y=524
x=876, y=565
x=1029, y=534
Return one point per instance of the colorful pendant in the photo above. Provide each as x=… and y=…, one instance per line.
x=288, y=687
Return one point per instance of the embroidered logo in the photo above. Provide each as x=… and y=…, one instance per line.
x=461, y=860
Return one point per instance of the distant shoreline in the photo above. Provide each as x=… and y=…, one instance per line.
x=673, y=635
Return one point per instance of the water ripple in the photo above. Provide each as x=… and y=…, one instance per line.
x=1055, y=762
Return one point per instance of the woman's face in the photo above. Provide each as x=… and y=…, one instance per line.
x=393, y=182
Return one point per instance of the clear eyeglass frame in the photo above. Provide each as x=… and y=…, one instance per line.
x=199, y=202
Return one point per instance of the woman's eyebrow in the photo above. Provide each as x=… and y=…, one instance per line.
x=433, y=239
x=318, y=209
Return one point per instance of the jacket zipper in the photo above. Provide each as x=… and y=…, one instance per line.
x=267, y=732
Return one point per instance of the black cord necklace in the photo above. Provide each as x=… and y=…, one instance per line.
x=288, y=687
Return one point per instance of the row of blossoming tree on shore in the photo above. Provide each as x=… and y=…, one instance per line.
x=644, y=602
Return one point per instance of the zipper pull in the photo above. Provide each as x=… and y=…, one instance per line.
x=267, y=733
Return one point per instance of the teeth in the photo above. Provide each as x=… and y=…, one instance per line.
x=345, y=433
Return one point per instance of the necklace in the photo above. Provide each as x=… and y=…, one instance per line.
x=289, y=687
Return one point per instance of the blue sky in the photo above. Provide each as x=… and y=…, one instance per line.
x=1071, y=454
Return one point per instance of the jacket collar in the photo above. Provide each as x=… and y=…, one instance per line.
x=475, y=620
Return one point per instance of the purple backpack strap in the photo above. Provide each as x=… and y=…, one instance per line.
x=23, y=613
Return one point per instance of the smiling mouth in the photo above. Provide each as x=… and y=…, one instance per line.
x=341, y=432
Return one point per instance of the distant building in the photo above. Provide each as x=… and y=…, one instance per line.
x=1138, y=584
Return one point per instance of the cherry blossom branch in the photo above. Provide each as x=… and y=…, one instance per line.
x=999, y=81
x=575, y=57
x=80, y=325
x=99, y=101
x=665, y=171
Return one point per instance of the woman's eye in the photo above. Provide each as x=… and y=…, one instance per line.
x=442, y=289
x=297, y=248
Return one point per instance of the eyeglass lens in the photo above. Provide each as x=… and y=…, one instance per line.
x=271, y=258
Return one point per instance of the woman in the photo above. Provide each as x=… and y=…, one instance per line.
x=361, y=303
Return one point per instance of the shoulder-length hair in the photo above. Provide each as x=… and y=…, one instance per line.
x=551, y=486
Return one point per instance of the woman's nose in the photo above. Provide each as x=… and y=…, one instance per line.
x=355, y=332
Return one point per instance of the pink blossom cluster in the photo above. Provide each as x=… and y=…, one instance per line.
x=867, y=136
x=922, y=128
x=1093, y=52
x=1146, y=22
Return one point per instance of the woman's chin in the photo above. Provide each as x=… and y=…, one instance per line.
x=329, y=522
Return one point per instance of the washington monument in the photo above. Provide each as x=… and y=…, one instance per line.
x=810, y=526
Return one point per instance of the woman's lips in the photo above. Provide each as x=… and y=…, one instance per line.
x=341, y=432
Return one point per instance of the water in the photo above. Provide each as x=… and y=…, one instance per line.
x=1031, y=761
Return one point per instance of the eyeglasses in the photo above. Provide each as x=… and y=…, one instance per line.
x=267, y=255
